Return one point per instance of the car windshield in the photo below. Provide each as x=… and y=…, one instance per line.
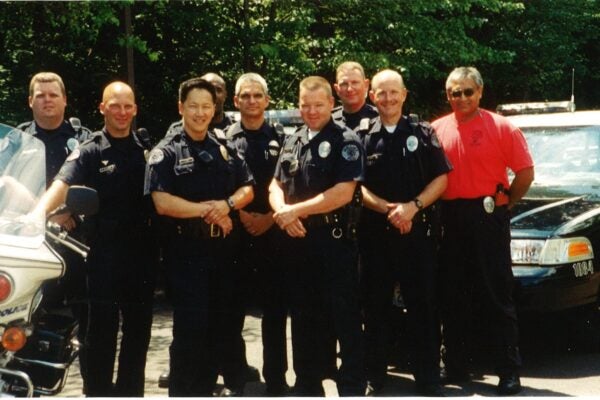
x=565, y=158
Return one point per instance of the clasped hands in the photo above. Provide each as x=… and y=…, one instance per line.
x=218, y=214
x=287, y=218
x=400, y=215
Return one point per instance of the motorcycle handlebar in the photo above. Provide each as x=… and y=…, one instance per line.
x=57, y=233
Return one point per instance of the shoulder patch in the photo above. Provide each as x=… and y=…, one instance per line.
x=74, y=155
x=72, y=144
x=156, y=156
x=350, y=152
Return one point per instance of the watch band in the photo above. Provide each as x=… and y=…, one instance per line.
x=418, y=203
x=230, y=203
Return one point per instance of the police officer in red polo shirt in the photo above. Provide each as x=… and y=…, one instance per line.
x=475, y=251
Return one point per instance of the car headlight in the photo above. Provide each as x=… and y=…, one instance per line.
x=551, y=251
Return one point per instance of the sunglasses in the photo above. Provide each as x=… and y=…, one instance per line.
x=458, y=93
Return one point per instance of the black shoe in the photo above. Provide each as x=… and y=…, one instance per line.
x=431, y=390
x=252, y=374
x=373, y=389
x=280, y=390
x=230, y=392
x=509, y=384
x=163, y=379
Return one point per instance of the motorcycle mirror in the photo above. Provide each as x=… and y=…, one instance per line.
x=82, y=200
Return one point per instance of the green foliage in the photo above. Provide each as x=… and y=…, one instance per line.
x=524, y=49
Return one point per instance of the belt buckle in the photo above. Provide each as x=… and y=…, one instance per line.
x=215, y=231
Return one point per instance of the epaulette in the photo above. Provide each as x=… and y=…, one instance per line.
x=232, y=131
x=219, y=134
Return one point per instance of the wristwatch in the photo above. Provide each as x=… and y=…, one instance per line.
x=230, y=203
x=418, y=203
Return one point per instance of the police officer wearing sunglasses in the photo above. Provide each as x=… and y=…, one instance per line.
x=315, y=181
x=475, y=251
x=198, y=183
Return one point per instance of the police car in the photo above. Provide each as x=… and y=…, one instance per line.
x=555, y=228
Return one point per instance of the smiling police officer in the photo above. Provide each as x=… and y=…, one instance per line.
x=259, y=143
x=405, y=174
x=120, y=272
x=198, y=183
x=315, y=180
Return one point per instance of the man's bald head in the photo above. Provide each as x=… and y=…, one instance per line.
x=119, y=108
x=115, y=88
x=386, y=75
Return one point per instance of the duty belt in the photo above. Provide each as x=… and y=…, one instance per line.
x=198, y=229
x=319, y=220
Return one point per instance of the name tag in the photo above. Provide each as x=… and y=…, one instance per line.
x=109, y=169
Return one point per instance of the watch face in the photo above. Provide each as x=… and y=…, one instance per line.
x=418, y=203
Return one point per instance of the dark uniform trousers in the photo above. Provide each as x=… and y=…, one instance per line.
x=120, y=283
x=206, y=307
x=388, y=257
x=475, y=260
x=262, y=259
x=322, y=274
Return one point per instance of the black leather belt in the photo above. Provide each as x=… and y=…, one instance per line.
x=199, y=229
x=317, y=220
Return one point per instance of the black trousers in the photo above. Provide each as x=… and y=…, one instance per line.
x=206, y=304
x=120, y=286
x=264, y=283
x=476, y=268
x=322, y=274
x=411, y=259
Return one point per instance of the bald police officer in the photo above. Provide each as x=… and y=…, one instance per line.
x=405, y=175
x=120, y=271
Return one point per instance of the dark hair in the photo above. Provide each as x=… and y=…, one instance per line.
x=196, y=83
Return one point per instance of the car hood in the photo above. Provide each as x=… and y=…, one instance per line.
x=554, y=211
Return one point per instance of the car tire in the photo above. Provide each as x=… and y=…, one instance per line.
x=585, y=333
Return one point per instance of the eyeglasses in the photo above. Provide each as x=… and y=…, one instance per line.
x=458, y=93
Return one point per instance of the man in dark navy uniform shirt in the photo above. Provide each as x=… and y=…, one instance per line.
x=48, y=100
x=259, y=144
x=406, y=173
x=351, y=87
x=315, y=181
x=197, y=184
x=120, y=272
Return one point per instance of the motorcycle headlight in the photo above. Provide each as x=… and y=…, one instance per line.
x=551, y=251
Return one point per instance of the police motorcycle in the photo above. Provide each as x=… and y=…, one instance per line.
x=36, y=348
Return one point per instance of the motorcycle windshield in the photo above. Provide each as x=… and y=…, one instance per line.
x=22, y=182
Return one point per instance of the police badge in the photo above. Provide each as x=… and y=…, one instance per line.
x=324, y=149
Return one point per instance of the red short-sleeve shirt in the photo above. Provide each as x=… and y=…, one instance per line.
x=480, y=151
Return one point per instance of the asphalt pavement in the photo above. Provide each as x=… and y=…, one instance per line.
x=551, y=373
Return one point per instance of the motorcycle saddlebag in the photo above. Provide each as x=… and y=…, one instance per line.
x=53, y=343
